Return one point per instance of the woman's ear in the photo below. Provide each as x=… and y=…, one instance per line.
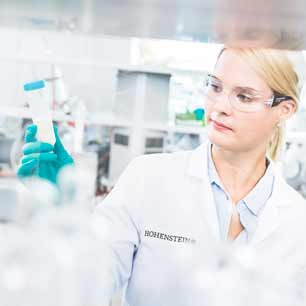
x=287, y=109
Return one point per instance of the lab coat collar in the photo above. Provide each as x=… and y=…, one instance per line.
x=197, y=166
x=269, y=219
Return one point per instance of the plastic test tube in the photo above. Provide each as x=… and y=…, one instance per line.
x=40, y=111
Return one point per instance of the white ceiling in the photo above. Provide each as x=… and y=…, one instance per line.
x=273, y=23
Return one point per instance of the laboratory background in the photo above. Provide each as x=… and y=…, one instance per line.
x=122, y=79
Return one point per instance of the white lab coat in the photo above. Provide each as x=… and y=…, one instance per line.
x=170, y=194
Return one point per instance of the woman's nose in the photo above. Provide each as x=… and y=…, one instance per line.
x=222, y=104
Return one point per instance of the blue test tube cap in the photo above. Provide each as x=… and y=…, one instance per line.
x=34, y=85
x=199, y=113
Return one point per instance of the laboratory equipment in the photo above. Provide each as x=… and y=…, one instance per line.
x=121, y=150
x=134, y=87
x=194, y=118
x=10, y=199
x=80, y=180
x=6, y=145
x=179, y=142
x=60, y=90
x=294, y=162
x=40, y=110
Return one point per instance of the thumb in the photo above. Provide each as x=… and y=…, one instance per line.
x=60, y=150
x=58, y=147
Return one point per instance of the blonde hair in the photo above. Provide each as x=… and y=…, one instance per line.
x=275, y=68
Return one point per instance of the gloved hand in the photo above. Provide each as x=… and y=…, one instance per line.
x=42, y=159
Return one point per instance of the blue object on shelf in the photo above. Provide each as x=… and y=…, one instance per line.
x=199, y=113
x=34, y=85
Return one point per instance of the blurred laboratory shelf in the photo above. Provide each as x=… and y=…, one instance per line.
x=104, y=118
x=157, y=69
x=24, y=112
x=170, y=127
x=107, y=118
x=161, y=70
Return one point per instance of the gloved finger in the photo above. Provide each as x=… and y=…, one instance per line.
x=58, y=144
x=30, y=134
x=48, y=157
x=28, y=168
x=37, y=147
x=60, y=150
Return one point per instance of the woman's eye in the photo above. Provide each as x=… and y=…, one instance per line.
x=215, y=87
x=245, y=98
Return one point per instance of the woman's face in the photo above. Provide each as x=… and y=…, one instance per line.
x=244, y=131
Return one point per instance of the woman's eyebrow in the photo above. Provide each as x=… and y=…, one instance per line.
x=248, y=88
x=240, y=87
x=213, y=76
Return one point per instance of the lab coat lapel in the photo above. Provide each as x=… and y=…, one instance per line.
x=201, y=189
x=269, y=220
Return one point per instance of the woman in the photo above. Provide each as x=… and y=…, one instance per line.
x=228, y=189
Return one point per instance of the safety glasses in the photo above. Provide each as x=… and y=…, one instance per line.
x=243, y=99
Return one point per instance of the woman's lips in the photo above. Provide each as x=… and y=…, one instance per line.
x=220, y=126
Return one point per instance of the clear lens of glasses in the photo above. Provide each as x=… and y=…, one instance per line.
x=239, y=98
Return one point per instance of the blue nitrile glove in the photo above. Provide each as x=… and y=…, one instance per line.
x=43, y=159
